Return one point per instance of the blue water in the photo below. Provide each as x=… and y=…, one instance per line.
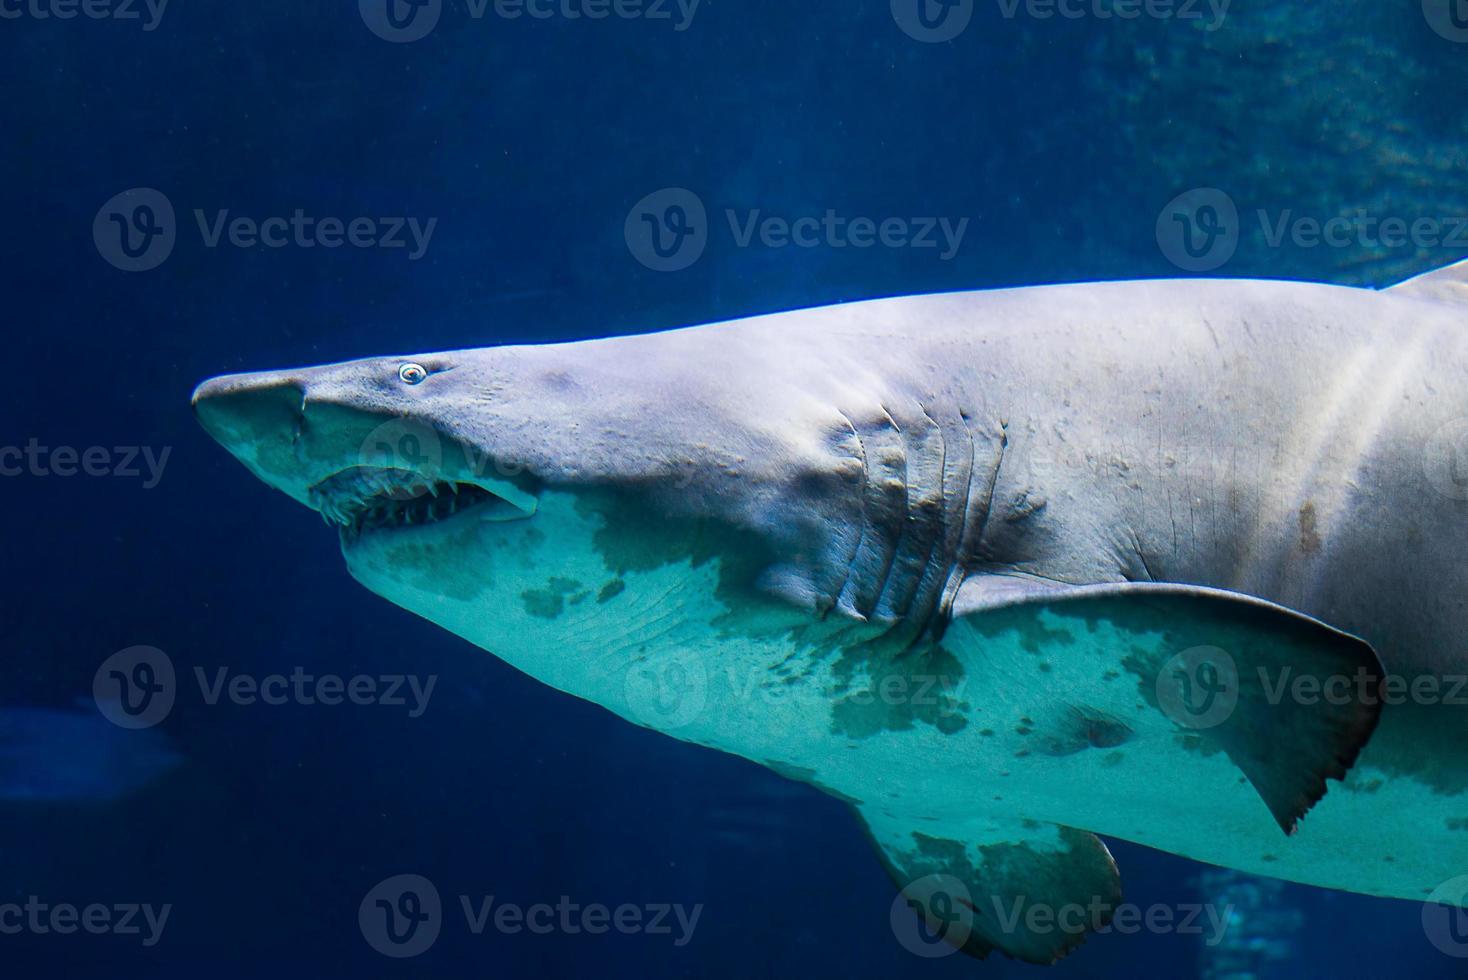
x=529, y=141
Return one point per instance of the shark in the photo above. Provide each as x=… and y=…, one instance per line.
x=1176, y=562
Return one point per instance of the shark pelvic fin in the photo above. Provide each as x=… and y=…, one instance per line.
x=1031, y=890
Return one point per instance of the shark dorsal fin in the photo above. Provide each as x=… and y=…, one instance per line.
x=1446, y=285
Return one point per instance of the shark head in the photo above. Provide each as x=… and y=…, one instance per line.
x=563, y=506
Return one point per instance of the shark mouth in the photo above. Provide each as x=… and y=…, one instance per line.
x=366, y=499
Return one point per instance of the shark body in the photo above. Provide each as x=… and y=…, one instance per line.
x=1004, y=570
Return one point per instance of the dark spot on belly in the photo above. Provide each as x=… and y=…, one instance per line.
x=1422, y=742
x=437, y=568
x=898, y=691
x=611, y=590
x=1458, y=823
x=1197, y=743
x=1078, y=729
x=550, y=602
x=637, y=536
x=1034, y=636
x=1309, y=529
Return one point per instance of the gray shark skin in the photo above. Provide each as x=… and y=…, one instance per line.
x=1004, y=570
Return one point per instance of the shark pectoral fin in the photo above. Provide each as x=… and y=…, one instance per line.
x=1290, y=700
x=1030, y=890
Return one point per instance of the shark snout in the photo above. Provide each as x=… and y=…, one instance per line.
x=261, y=420
x=250, y=406
x=350, y=438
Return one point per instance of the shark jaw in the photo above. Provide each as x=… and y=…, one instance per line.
x=369, y=501
x=373, y=470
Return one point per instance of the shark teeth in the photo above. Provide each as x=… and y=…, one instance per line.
x=363, y=499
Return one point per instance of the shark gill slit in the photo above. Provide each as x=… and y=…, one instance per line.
x=975, y=518
x=874, y=557
x=842, y=600
x=904, y=594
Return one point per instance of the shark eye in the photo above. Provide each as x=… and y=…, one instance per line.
x=412, y=374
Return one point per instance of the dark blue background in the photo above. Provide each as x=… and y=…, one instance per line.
x=529, y=141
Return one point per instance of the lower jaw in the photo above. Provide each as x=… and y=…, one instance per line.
x=481, y=515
